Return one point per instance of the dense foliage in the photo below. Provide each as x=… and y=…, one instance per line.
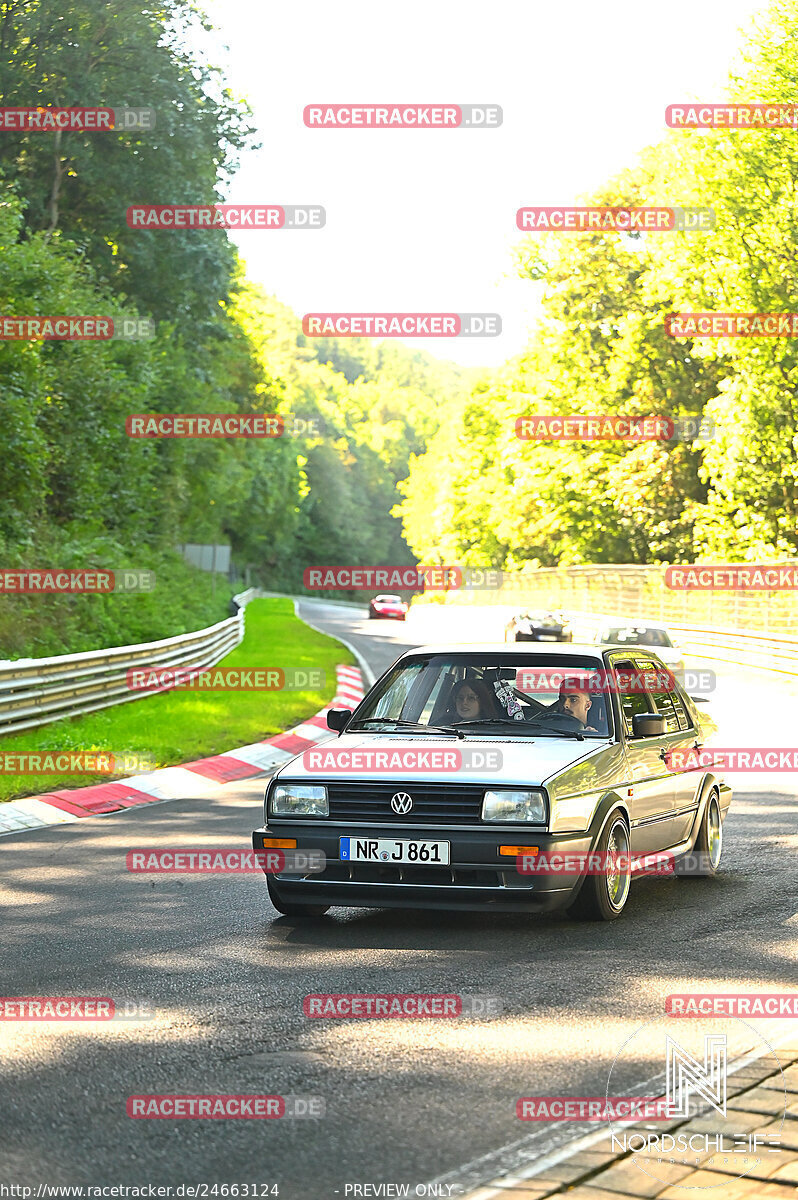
x=488, y=498
x=75, y=490
x=411, y=457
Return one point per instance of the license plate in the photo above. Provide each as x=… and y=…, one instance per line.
x=386, y=850
x=547, y=637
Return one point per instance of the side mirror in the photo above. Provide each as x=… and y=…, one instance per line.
x=648, y=725
x=337, y=718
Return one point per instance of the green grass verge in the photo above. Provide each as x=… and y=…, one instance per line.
x=178, y=726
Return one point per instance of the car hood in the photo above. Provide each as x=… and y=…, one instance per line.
x=524, y=760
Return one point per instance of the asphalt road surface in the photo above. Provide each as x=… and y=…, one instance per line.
x=406, y=1101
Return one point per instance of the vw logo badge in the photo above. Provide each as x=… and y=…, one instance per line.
x=401, y=803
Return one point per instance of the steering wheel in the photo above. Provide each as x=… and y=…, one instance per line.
x=563, y=721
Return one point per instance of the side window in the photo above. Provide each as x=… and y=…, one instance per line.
x=681, y=711
x=667, y=700
x=663, y=702
x=631, y=696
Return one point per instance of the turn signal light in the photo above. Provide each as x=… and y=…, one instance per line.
x=280, y=843
x=514, y=851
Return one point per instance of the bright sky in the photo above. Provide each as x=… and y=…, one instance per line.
x=424, y=220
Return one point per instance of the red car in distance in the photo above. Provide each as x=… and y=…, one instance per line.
x=392, y=607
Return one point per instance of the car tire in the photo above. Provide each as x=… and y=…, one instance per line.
x=709, y=841
x=292, y=908
x=603, y=897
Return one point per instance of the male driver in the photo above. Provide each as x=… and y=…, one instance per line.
x=574, y=701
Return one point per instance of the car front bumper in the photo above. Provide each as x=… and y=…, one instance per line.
x=477, y=878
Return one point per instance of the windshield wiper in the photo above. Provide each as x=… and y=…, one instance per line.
x=408, y=725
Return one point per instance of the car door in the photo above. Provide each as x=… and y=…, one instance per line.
x=681, y=735
x=648, y=778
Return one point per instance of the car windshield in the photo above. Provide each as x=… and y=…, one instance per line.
x=492, y=695
x=636, y=635
x=387, y=600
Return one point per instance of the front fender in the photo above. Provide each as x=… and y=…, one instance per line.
x=607, y=804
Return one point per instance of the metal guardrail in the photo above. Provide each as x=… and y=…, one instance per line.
x=632, y=590
x=36, y=691
x=724, y=642
x=740, y=646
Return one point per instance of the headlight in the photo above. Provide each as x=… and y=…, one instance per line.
x=514, y=806
x=297, y=800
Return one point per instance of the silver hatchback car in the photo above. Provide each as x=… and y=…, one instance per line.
x=556, y=773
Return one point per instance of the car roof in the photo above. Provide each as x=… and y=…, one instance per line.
x=530, y=649
x=635, y=624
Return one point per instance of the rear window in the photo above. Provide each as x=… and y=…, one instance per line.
x=635, y=635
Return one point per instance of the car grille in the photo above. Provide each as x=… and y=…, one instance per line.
x=433, y=803
x=448, y=877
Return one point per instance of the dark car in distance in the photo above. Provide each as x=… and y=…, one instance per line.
x=538, y=627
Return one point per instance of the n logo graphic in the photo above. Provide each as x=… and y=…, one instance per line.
x=685, y=1075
